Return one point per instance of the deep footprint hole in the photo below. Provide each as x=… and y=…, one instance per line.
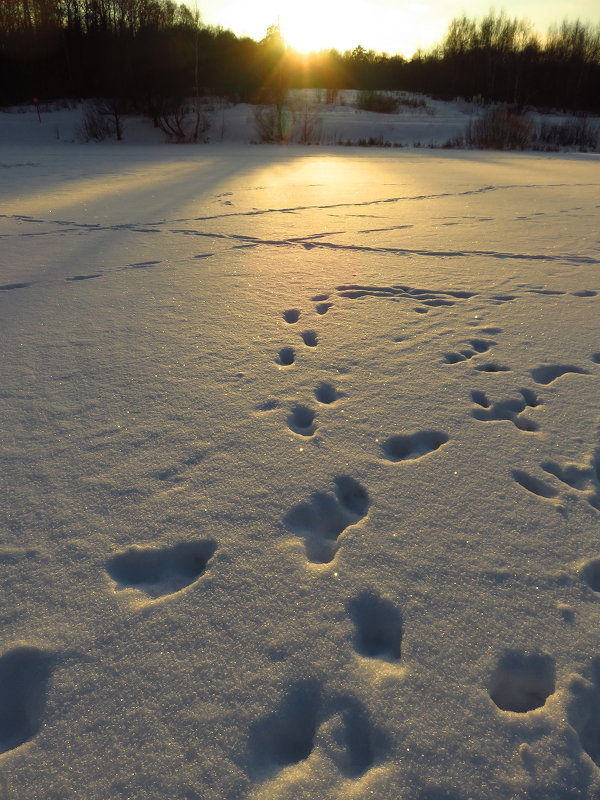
x=480, y=398
x=310, y=338
x=591, y=574
x=378, y=626
x=291, y=315
x=287, y=736
x=492, y=368
x=160, y=571
x=302, y=420
x=533, y=484
x=405, y=447
x=286, y=356
x=326, y=393
x=24, y=674
x=522, y=682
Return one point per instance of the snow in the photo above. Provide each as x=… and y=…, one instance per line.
x=301, y=478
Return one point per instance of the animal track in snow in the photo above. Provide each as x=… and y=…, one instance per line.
x=581, y=477
x=286, y=356
x=326, y=393
x=323, y=308
x=83, y=277
x=318, y=298
x=548, y=373
x=407, y=447
x=311, y=720
x=477, y=346
x=596, y=358
x=589, y=728
x=492, y=367
x=533, y=484
x=301, y=420
x=378, y=625
x=584, y=293
x=310, y=338
x=522, y=682
x=590, y=573
x=511, y=409
x=427, y=297
x=24, y=674
x=8, y=287
x=572, y=474
x=157, y=572
x=291, y=315
x=269, y=405
x=324, y=519
x=174, y=473
x=288, y=736
x=143, y=264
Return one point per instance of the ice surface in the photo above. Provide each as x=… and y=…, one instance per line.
x=256, y=548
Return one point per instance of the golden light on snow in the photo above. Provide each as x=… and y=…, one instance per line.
x=80, y=191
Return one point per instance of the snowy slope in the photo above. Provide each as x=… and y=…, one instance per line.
x=301, y=473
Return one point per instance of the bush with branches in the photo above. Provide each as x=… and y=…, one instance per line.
x=501, y=128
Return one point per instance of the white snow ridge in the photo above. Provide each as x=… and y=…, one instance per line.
x=301, y=487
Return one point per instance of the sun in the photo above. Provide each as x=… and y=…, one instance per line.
x=386, y=26
x=381, y=25
x=311, y=25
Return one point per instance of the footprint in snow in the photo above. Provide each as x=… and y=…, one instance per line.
x=534, y=485
x=411, y=446
x=590, y=572
x=301, y=420
x=24, y=675
x=9, y=287
x=587, y=719
x=326, y=393
x=378, y=627
x=322, y=520
x=522, y=682
x=511, y=409
x=310, y=720
x=286, y=357
x=158, y=572
x=548, y=373
x=310, y=338
x=477, y=346
x=291, y=315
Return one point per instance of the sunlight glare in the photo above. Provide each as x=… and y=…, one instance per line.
x=396, y=28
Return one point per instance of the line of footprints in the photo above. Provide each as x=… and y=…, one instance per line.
x=338, y=725
x=310, y=718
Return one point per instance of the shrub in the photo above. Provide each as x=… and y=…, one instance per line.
x=272, y=123
x=306, y=123
x=576, y=132
x=380, y=102
x=183, y=125
x=501, y=128
x=101, y=120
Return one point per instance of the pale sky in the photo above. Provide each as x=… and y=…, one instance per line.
x=392, y=26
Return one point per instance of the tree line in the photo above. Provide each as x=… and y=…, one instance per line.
x=148, y=55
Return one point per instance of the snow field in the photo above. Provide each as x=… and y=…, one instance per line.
x=301, y=473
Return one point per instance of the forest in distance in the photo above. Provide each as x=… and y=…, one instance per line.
x=149, y=56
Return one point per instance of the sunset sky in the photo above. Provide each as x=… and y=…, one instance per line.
x=391, y=26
